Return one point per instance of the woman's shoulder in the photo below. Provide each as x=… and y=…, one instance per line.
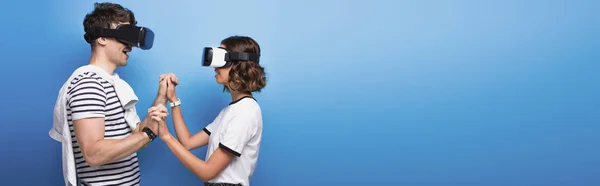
x=247, y=104
x=247, y=109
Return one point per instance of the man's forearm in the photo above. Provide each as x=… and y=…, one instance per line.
x=143, y=123
x=160, y=100
x=110, y=150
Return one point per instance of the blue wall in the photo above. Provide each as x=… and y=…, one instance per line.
x=416, y=93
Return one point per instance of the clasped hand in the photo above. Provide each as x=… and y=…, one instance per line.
x=159, y=113
x=167, y=84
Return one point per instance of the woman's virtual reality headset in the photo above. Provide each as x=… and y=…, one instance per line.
x=135, y=36
x=221, y=57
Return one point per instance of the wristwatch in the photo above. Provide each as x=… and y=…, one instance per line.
x=149, y=132
x=176, y=103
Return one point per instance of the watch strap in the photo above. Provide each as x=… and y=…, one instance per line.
x=149, y=132
x=176, y=103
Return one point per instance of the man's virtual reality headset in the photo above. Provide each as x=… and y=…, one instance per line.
x=135, y=36
x=221, y=57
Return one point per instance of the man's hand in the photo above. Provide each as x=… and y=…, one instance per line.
x=158, y=115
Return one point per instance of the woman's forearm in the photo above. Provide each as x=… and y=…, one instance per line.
x=189, y=160
x=181, y=130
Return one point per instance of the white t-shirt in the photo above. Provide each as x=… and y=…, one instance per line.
x=237, y=130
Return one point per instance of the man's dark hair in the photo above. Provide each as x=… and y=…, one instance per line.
x=105, y=14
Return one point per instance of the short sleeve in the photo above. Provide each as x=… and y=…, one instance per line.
x=209, y=128
x=238, y=132
x=86, y=99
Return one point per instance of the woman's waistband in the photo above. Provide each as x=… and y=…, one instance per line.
x=222, y=184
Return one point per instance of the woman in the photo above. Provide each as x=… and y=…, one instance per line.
x=234, y=137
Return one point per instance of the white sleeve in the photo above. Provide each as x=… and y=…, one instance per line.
x=238, y=132
x=209, y=128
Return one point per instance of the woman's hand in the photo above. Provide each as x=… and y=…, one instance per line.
x=159, y=114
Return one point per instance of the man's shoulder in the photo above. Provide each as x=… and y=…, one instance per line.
x=79, y=77
x=85, y=74
x=86, y=71
x=89, y=81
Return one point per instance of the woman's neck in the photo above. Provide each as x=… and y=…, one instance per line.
x=238, y=95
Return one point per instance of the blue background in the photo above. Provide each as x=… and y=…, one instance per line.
x=417, y=93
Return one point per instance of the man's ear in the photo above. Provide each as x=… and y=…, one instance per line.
x=101, y=41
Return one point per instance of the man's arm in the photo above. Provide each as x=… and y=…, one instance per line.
x=160, y=99
x=88, y=100
x=99, y=151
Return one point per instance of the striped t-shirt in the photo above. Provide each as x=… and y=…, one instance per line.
x=88, y=96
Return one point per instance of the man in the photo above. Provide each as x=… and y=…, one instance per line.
x=99, y=108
